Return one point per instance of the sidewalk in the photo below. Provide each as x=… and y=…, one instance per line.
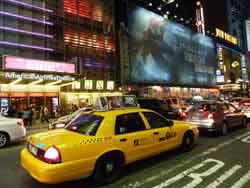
x=37, y=124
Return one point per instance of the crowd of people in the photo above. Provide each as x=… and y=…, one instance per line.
x=29, y=114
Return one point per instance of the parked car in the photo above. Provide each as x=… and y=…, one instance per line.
x=244, y=105
x=160, y=106
x=215, y=116
x=100, y=143
x=62, y=121
x=11, y=129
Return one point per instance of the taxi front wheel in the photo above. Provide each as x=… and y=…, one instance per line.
x=187, y=141
x=107, y=169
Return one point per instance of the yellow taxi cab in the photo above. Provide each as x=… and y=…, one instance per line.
x=99, y=144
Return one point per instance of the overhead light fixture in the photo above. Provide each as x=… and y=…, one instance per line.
x=36, y=82
x=67, y=84
x=159, y=8
x=54, y=83
x=150, y=4
x=25, y=32
x=25, y=46
x=25, y=18
x=16, y=81
x=29, y=5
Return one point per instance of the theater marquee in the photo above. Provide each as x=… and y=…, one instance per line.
x=23, y=64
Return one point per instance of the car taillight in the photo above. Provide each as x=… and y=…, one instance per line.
x=246, y=103
x=184, y=115
x=20, y=122
x=52, y=155
x=210, y=116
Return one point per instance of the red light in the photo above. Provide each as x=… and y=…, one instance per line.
x=52, y=155
x=129, y=89
x=246, y=103
x=210, y=116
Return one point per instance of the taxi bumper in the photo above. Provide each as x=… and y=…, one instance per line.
x=52, y=173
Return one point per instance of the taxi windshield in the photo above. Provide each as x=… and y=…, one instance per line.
x=87, y=124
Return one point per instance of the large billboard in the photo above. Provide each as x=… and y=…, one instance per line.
x=164, y=52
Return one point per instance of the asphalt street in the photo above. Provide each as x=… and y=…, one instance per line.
x=216, y=161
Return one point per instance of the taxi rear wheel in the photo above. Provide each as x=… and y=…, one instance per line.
x=4, y=139
x=107, y=169
x=188, y=141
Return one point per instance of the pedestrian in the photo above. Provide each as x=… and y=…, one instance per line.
x=46, y=114
x=25, y=116
x=41, y=113
x=31, y=116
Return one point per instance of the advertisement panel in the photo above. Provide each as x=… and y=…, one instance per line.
x=164, y=52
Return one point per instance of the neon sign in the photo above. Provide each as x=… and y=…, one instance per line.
x=226, y=36
x=34, y=76
x=17, y=63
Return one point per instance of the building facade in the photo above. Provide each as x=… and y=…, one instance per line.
x=61, y=51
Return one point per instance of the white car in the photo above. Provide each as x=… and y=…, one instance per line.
x=11, y=129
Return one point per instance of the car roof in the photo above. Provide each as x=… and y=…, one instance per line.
x=120, y=111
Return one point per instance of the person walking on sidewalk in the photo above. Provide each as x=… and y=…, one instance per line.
x=46, y=114
x=41, y=114
x=26, y=116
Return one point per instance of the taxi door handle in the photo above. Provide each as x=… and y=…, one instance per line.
x=156, y=133
x=123, y=140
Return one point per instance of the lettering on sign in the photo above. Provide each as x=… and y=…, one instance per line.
x=34, y=76
x=168, y=136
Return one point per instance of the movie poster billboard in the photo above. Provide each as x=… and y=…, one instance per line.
x=164, y=52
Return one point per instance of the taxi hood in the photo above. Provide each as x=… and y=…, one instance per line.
x=60, y=138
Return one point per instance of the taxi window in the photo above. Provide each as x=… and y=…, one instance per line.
x=129, y=123
x=87, y=124
x=155, y=121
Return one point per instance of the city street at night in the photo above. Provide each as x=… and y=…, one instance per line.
x=221, y=162
x=124, y=94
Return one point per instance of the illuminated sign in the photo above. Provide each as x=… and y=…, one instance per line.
x=17, y=63
x=110, y=85
x=226, y=36
x=88, y=84
x=99, y=84
x=34, y=76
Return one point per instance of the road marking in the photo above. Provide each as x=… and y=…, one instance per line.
x=246, y=140
x=197, y=177
x=224, y=177
x=242, y=181
x=166, y=172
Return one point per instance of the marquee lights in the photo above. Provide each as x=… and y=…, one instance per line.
x=25, y=18
x=26, y=46
x=84, y=9
x=88, y=40
x=18, y=63
x=26, y=32
x=30, y=6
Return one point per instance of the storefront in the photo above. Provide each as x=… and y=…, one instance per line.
x=84, y=93
x=26, y=82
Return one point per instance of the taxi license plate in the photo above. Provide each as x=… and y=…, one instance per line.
x=33, y=149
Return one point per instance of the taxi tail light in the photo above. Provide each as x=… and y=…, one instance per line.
x=52, y=155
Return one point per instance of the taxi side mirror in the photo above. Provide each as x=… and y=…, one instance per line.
x=170, y=123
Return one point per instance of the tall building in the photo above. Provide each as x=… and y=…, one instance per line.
x=60, y=49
